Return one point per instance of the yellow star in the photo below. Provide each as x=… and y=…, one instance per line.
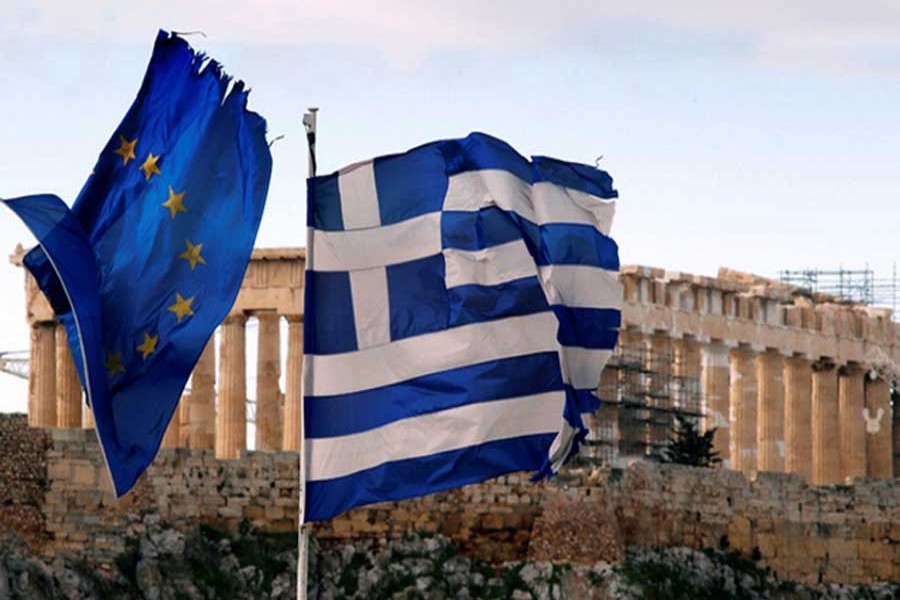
x=126, y=150
x=192, y=254
x=149, y=345
x=149, y=167
x=114, y=364
x=175, y=203
x=182, y=307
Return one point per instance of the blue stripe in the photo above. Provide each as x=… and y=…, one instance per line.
x=420, y=303
x=333, y=329
x=329, y=416
x=426, y=475
x=550, y=244
x=573, y=175
x=582, y=400
x=596, y=328
x=477, y=303
x=324, y=203
x=479, y=151
x=571, y=244
x=477, y=230
x=410, y=184
x=417, y=297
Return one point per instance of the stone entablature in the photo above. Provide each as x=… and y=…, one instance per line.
x=741, y=309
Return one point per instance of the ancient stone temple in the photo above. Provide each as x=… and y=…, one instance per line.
x=792, y=381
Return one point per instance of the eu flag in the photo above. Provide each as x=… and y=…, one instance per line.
x=151, y=256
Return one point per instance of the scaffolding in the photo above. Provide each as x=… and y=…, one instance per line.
x=861, y=286
x=642, y=392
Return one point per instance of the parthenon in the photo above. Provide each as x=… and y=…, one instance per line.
x=792, y=381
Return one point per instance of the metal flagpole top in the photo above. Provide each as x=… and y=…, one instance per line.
x=309, y=123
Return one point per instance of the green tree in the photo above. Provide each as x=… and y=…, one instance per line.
x=687, y=446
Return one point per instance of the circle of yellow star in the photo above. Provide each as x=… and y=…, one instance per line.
x=149, y=345
x=126, y=150
x=175, y=203
x=182, y=307
x=114, y=364
x=192, y=254
x=149, y=167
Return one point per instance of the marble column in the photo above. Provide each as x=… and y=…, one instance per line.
x=742, y=393
x=851, y=403
x=173, y=431
x=660, y=422
x=68, y=386
x=824, y=415
x=770, y=411
x=293, y=393
x=798, y=417
x=268, y=394
x=198, y=408
x=896, y=443
x=716, y=397
x=687, y=370
x=42, y=376
x=87, y=417
x=231, y=412
x=879, y=451
x=603, y=425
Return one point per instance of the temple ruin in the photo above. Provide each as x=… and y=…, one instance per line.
x=793, y=381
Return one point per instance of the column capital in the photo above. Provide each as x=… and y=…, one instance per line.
x=264, y=314
x=851, y=369
x=235, y=319
x=823, y=364
x=294, y=318
x=798, y=359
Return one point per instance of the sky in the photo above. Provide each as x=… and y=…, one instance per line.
x=759, y=136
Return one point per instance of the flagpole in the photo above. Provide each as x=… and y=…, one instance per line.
x=309, y=123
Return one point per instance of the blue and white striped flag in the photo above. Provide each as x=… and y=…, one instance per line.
x=461, y=302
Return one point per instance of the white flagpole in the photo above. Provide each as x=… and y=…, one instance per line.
x=309, y=123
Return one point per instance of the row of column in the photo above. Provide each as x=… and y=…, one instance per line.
x=54, y=391
x=775, y=413
x=203, y=419
x=277, y=425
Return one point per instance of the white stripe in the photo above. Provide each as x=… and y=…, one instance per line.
x=541, y=204
x=359, y=198
x=557, y=204
x=490, y=266
x=583, y=366
x=432, y=433
x=579, y=286
x=379, y=246
x=475, y=190
x=430, y=353
x=561, y=446
x=371, y=314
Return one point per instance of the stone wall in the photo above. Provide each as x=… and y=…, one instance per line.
x=805, y=533
x=182, y=488
x=23, y=479
x=55, y=494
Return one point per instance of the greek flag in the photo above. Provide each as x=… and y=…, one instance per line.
x=461, y=302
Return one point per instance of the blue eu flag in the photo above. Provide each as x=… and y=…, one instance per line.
x=151, y=256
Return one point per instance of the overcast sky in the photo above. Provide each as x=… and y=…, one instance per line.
x=761, y=137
